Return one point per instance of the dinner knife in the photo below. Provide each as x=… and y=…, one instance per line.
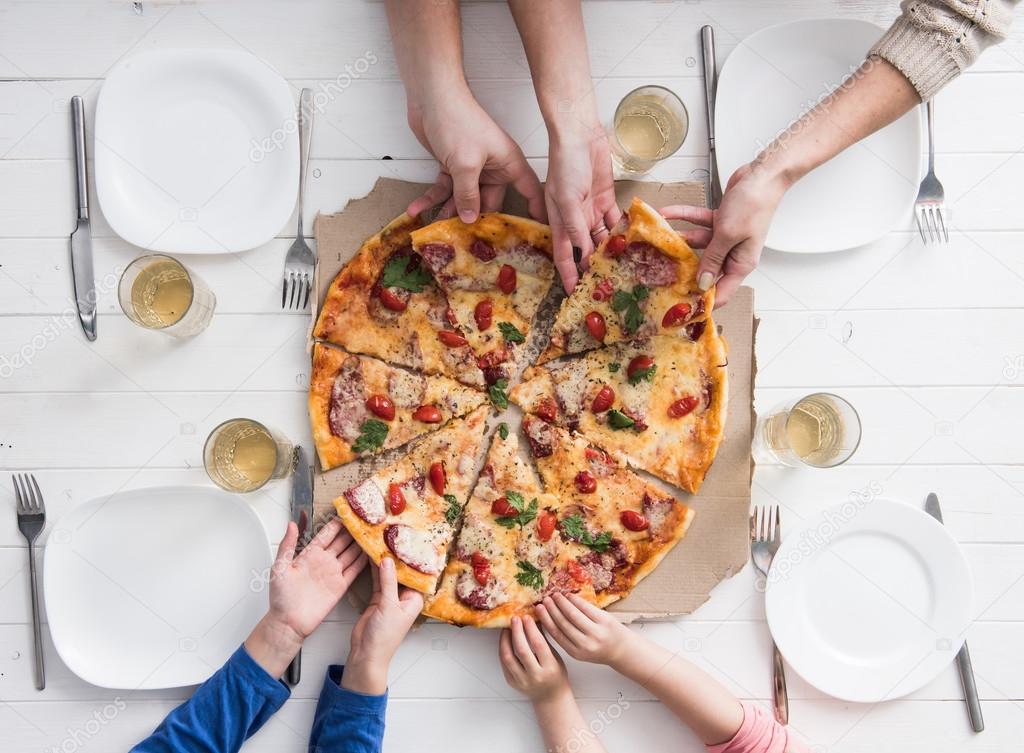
x=81, y=237
x=302, y=514
x=963, y=659
x=707, y=47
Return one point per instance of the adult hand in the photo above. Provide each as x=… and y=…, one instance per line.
x=479, y=160
x=529, y=664
x=584, y=631
x=732, y=236
x=379, y=631
x=303, y=589
x=580, y=197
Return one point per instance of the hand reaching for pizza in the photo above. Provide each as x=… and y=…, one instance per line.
x=379, y=631
x=580, y=196
x=303, y=589
x=478, y=160
x=529, y=664
x=732, y=236
x=584, y=631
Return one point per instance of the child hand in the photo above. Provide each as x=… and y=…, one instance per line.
x=584, y=631
x=380, y=630
x=529, y=664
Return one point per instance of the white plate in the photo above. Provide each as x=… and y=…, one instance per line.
x=871, y=603
x=154, y=588
x=771, y=78
x=196, y=151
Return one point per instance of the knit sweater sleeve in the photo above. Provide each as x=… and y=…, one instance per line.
x=934, y=40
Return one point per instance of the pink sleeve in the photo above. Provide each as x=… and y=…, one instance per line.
x=759, y=733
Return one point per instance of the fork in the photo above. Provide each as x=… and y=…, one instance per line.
x=299, y=263
x=930, y=207
x=31, y=519
x=765, y=537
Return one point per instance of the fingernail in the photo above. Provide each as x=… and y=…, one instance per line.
x=467, y=215
x=705, y=281
x=387, y=563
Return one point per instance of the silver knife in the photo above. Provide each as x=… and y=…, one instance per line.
x=81, y=238
x=707, y=47
x=302, y=514
x=963, y=659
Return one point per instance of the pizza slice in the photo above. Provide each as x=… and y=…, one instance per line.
x=495, y=273
x=641, y=282
x=509, y=553
x=410, y=509
x=657, y=403
x=359, y=405
x=625, y=524
x=384, y=303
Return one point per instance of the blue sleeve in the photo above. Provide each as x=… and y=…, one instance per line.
x=345, y=721
x=223, y=712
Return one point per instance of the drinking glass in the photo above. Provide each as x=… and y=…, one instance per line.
x=820, y=430
x=241, y=455
x=650, y=124
x=158, y=292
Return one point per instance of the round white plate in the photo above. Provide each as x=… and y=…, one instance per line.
x=871, y=603
x=768, y=81
x=196, y=151
x=154, y=588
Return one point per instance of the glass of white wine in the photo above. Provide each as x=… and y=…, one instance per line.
x=157, y=292
x=821, y=430
x=241, y=455
x=650, y=124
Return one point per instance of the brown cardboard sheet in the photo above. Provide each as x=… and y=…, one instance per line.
x=716, y=546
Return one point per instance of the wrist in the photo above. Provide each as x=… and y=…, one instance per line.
x=365, y=674
x=273, y=644
x=554, y=702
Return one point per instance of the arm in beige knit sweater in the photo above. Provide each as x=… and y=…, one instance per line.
x=929, y=44
x=934, y=40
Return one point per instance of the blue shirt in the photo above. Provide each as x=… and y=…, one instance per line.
x=240, y=697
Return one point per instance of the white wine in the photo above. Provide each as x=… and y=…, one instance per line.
x=162, y=293
x=241, y=455
x=650, y=124
x=819, y=430
x=157, y=292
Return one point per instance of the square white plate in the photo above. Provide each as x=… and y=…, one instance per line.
x=196, y=151
x=154, y=588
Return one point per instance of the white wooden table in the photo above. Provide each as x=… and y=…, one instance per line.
x=925, y=341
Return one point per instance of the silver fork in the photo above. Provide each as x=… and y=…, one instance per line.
x=930, y=207
x=31, y=519
x=765, y=537
x=299, y=263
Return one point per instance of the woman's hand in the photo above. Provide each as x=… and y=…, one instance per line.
x=580, y=196
x=584, y=631
x=529, y=664
x=479, y=160
x=379, y=631
x=303, y=589
x=735, y=231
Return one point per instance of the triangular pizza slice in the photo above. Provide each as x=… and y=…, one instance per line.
x=411, y=509
x=385, y=303
x=641, y=282
x=657, y=403
x=627, y=524
x=495, y=273
x=359, y=406
x=509, y=553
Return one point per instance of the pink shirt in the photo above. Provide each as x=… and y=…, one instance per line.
x=759, y=733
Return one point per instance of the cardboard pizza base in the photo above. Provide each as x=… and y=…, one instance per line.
x=716, y=546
